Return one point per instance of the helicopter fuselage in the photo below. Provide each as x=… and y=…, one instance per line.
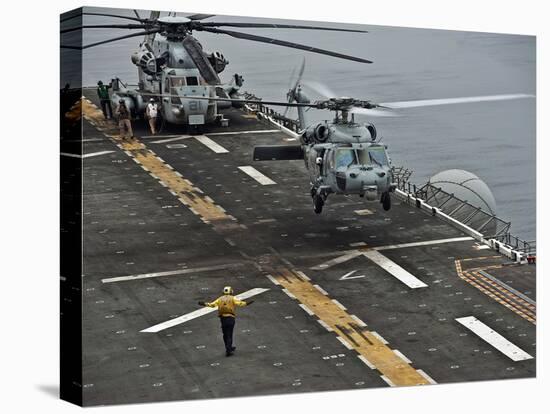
x=171, y=71
x=343, y=158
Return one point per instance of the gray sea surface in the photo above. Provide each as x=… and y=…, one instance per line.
x=494, y=140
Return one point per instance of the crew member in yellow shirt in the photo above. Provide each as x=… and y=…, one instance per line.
x=226, y=305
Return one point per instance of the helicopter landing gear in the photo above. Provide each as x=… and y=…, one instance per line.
x=318, y=203
x=318, y=197
x=386, y=201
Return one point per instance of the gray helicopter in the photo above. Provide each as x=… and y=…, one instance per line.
x=173, y=66
x=343, y=155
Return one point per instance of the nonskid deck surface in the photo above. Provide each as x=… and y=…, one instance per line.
x=353, y=298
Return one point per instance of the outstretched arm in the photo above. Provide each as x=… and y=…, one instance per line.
x=210, y=304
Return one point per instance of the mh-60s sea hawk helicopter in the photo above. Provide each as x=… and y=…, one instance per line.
x=172, y=65
x=342, y=155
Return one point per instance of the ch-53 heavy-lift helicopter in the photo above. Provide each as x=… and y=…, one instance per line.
x=172, y=65
x=343, y=156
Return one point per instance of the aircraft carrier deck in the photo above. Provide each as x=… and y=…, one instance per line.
x=353, y=298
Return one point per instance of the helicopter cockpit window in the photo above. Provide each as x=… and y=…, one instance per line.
x=345, y=157
x=177, y=81
x=378, y=156
x=373, y=155
x=192, y=81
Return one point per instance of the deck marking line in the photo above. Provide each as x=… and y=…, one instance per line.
x=424, y=243
x=190, y=195
x=306, y=309
x=91, y=154
x=387, y=380
x=258, y=176
x=199, y=312
x=403, y=357
x=273, y=280
x=394, y=269
x=508, y=287
x=345, y=343
x=359, y=321
x=172, y=273
x=430, y=379
x=494, y=339
x=178, y=138
x=340, y=259
x=366, y=361
x=260, y=131
x=337, y=320
x=214, y=146
x=379, y=337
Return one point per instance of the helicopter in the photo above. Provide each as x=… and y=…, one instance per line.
x=345, y=156
x=173, y=65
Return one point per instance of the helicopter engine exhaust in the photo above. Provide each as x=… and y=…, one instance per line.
x=146, y=61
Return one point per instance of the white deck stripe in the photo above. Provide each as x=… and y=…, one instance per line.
x=162, y=141
x=493, y=338
x=260, y=131
x=337, y=260
x=428, y=378
x=172, y=273
x=200, y=312
x=306, y=309
x=366, y=362
x=403, y=357
x=388, y=381
x=258, y=176
x=424, y=243
x=394, y=269
x=345, y=343
x=214, y=146
x=92, y=154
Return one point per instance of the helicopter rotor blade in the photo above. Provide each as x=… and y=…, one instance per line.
x=289, y=89
x=110, y=40
x=372, y=112
x=103, y=14
x=300, y=73
x=200, y=16
x=284, y=43
x=279, y=26
x=242, y=101
x=450, y=101
x=105, y=26
x=321, y=89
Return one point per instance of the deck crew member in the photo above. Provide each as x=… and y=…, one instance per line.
x=103, y=94
x=226, y=305
x=152, y=112
x=124, y=123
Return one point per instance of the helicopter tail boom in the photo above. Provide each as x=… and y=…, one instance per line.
x=278, y=153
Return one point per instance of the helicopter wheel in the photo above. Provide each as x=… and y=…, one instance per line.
x=318, y=204
x=386, y=201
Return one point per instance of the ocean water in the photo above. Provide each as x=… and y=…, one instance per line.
x=494, y=140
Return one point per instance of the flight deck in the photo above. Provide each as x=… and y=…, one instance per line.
x=355, y=297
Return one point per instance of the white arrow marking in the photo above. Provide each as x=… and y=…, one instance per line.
x=200, y=312
x=349, y=276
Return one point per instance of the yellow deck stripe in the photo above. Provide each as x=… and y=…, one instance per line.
x=184, y=190
x=398, y=371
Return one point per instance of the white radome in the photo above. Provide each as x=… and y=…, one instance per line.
x=466, y=186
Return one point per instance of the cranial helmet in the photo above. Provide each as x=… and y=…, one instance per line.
x=228, y=290
x=100, y=83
